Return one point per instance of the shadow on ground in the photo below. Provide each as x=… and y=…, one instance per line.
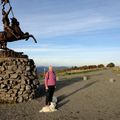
x=62, y=97
x=60, y=85
x=63, y=83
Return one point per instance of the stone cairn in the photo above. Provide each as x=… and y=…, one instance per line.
x=18, y=80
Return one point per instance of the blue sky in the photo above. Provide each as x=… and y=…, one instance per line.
x=79, y=32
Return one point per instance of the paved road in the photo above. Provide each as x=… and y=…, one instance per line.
x=94, y=99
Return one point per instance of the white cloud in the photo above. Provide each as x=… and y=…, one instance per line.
x=63, y=48
x=46, y=61
x=84, y=19
x=50, y=24
x=71, y=55
x=65, y=24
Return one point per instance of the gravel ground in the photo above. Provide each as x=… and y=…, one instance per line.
x=94, y=99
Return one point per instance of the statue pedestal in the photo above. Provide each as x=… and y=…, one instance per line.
x=18, y=79
x=11, y=53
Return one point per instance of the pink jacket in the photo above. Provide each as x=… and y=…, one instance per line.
x=50, y=79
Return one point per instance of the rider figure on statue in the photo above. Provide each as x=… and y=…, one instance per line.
x=6, y=22
x=4, y=2
x=12, y=31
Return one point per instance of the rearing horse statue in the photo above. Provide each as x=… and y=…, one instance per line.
x=11, y=32
x=7, y=36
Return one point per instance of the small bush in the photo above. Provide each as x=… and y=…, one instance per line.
x=111, y=65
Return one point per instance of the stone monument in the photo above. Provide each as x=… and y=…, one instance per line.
x=18, y=75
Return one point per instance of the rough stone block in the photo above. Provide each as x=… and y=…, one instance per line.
x=85, y=78
x=112, y=80
x=20, y=99
x=18, y=80
x=3, y=86
x=13, y=76
x=1, y=78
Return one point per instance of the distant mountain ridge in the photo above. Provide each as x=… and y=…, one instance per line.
x=42, y=68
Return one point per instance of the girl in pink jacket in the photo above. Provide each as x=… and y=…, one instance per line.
x=50, y=84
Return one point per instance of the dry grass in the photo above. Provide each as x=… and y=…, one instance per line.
x=72, y=72
x=116, y=69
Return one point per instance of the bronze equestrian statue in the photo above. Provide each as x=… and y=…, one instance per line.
x=12, y=32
